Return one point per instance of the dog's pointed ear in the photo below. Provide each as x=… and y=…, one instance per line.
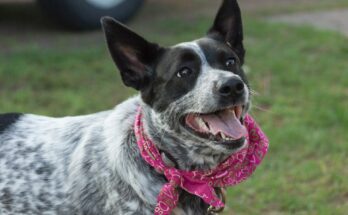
x=134, y=56
x=228, y=26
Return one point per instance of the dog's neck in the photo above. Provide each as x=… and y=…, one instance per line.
x=185, y=157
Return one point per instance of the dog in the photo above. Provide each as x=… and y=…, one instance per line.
x=191, y=95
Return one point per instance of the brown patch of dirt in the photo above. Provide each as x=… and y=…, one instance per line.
x=335, y=20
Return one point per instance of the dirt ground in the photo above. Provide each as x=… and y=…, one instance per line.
x=26, y=15
x=22, y=22
x=335, y=20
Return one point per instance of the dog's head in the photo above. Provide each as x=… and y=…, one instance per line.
x=197, y=90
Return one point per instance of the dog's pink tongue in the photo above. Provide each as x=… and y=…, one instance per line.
x=227, y=123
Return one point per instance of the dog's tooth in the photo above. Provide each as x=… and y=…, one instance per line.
x=233, y=110
x=201, y=123
x=238, y=111
x=198, y=120
x=223, y=135
x=207, y=126
x=219, y=135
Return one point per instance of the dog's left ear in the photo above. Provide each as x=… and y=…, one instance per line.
x=134, y=56
x=228, y=27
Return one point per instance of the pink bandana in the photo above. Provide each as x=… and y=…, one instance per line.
x=237, y=168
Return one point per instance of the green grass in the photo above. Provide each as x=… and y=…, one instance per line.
x=59, y=82
x=302, y=80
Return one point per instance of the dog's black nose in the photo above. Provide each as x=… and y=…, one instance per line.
x=231, y=87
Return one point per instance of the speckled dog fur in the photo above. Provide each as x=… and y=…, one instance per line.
x=91, y=164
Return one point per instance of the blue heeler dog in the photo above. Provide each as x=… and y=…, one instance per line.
x=91, y=164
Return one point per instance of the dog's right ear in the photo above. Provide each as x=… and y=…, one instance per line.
x=133, y=55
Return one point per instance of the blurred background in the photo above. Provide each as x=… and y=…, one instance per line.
x=54, y=61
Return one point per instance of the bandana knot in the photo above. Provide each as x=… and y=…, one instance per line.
x=235, y=169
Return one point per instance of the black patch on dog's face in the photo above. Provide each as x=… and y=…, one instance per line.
x=6, y=120
x=150, y=68
x=168, y=85
x=218, y=53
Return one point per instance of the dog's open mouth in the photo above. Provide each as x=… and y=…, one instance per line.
x=224, y=126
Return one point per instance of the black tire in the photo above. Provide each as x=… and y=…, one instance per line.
x=82, y=15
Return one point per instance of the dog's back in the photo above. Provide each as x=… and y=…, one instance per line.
x=35, y=154
x=73, y=165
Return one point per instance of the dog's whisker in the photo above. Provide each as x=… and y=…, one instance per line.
x=261, y=108
x=254, y=93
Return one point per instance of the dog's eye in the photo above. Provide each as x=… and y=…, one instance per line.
x=230, y=62
x=184, y=72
